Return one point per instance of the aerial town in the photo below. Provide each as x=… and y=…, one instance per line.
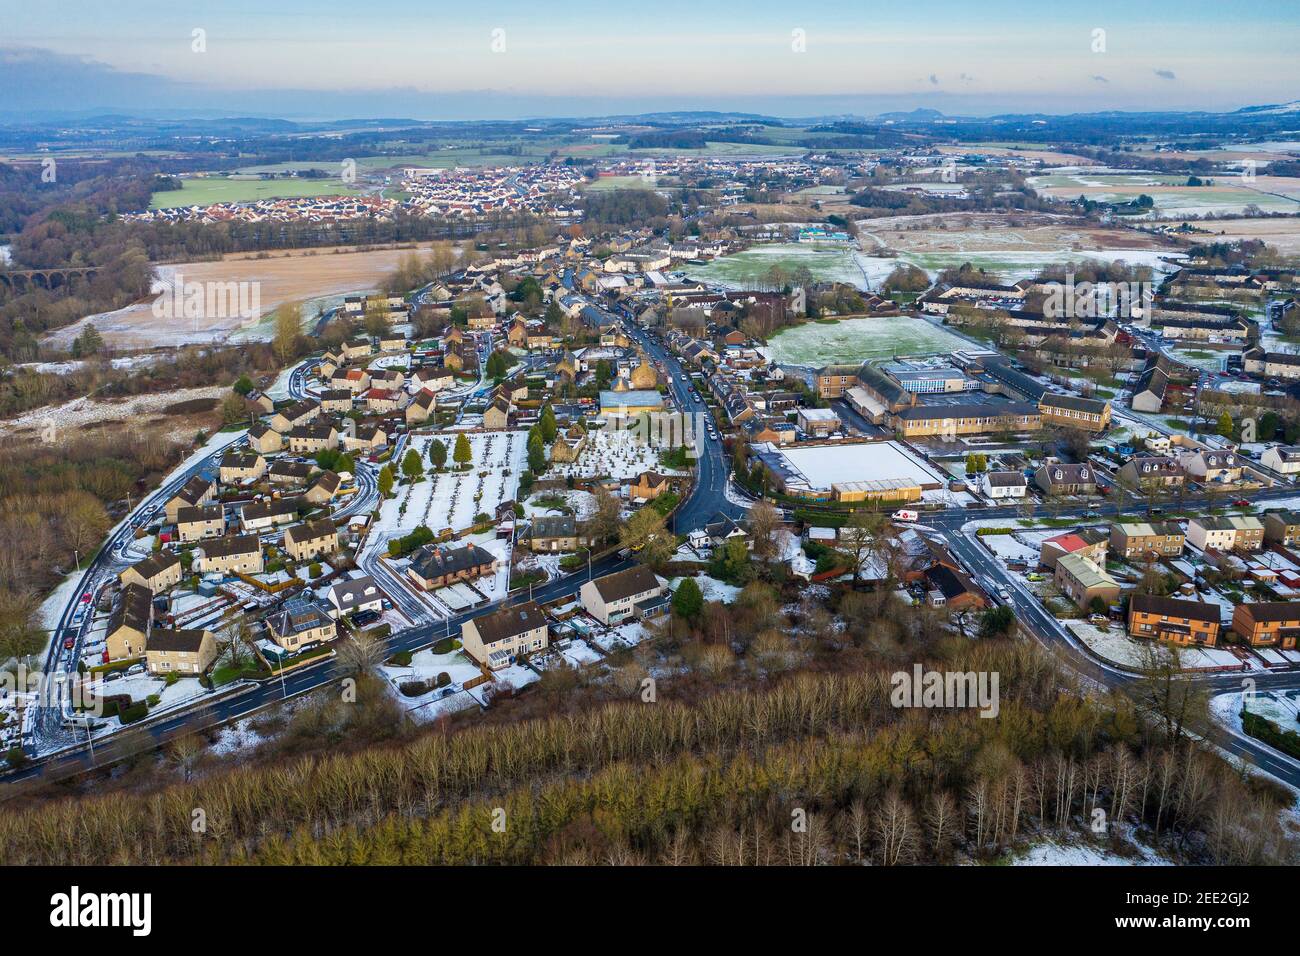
x=678, y=488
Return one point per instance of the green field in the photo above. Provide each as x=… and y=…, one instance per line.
x=855, y=340
x=215, y=189
x=827, y=263
x=621, y=182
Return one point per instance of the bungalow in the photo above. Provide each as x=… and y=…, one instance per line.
x=179, y=652
x=496, y=639
x=232, y=554
x=1173, y=619
x=311, y=540
x=1004, y=484
x=157, y=573
x=299, y=623
x=435, y=565
x=197, y=491
x=354, y=596
x=1061, y=479
x=634, y=593
x=206, y=521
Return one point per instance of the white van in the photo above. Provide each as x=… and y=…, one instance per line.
x=906, y=515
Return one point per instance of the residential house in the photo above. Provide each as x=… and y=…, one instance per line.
x=264, y=439
x=129, y=623
x=634, y=593
x=1083, y=581
x=381, y=401
x=179, y=652
x=1284, y=459
x=231, y=554
x=197, y=491
x=1227, y=533
x=648, y=486
x=1062, y=479
x=1086, y=542
x=1140, y=540
x=261, y=515
x=309, y=439
x=421, y=407
x=554, y=533
x=157, y=573
x=1173, y=619
x=1151, y=473
x=323, y=489
x=1004, y=484
x=311, y=540
x=300, y=623
x=365, y=438
x=496, y=639
x=336, y=401
x=289, y=472
x=356, y=595
x=497, y=415
x=437, y=565
x=195, y=524
x=1282, y=527
x=1267, y=623
x=291, y=416
x=1205, y=465
x=238, y=467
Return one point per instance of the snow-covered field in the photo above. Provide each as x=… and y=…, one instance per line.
x=711, y=588
x=448, y=499
x=854, y=340
x=1051, y=853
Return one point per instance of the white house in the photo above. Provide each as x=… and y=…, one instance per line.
x=1004, y=484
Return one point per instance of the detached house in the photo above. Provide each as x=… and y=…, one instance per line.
x=1060, y=479
x=238, y=467
x=634, y=593
x=354, y=596
x=264, y=439
x=1004, y=484
x=554, y=533
x=299, y=623
x=421, y=407
x=1084, y=581
x=435, y=566
x=496, y=639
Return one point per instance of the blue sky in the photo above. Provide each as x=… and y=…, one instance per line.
x=338, y=57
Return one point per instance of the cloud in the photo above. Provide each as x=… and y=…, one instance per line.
x=1098, y=78
x=934, y=80
x=1166, y=74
